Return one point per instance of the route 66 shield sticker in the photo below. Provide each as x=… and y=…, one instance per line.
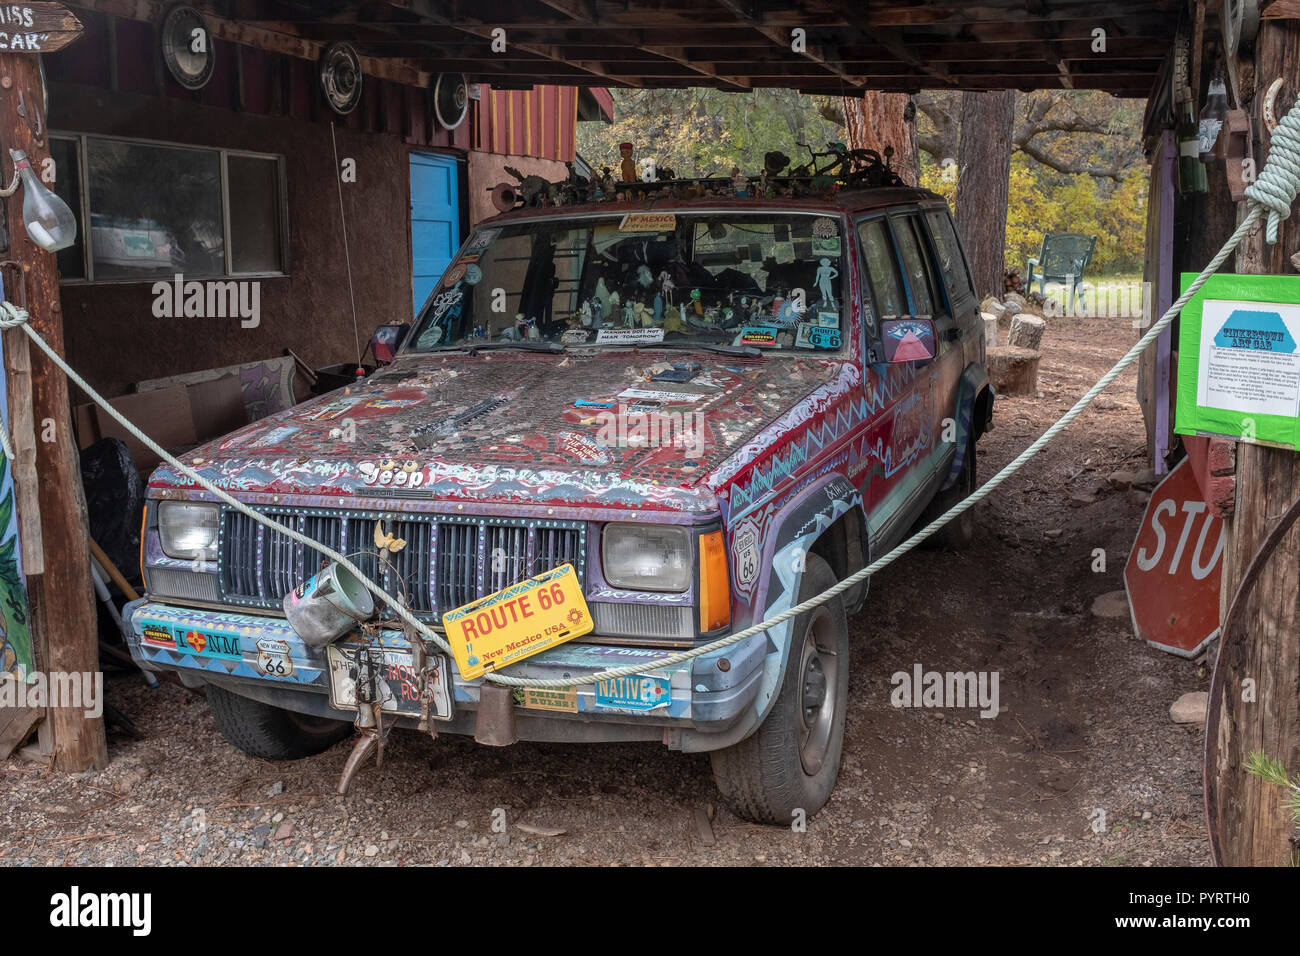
x=745, y=555
x=273, y=658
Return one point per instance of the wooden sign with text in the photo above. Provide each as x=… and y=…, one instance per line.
x=36, y=27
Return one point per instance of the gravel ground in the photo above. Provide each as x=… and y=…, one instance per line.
x=1082, y=767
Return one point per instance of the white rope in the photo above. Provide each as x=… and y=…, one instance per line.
x=1277, y=184
x=1280, y=181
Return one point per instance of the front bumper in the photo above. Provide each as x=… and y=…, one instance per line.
x=707, y=707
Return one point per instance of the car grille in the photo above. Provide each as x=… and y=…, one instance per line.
x=447, y=561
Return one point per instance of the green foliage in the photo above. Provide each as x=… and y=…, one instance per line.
x=1271, y=770
x=702, y=132
x=1114, y=212
x=1042, y=200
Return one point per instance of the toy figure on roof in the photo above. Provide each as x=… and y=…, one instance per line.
x=533, y=190
x=629, y=167
x=739, y=182
x=608, y=184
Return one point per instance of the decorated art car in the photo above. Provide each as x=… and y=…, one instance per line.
x=709, y=408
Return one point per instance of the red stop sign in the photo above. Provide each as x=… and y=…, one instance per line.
x=1173, y=572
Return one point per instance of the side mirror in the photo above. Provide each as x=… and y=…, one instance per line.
x=907, y=339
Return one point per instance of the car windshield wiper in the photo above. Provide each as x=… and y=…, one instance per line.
x=553, y=347
x=743, y=351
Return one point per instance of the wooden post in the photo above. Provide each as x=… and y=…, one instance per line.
x=1260, y=709
x=62, y=599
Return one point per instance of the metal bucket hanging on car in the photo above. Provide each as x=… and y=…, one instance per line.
x=328, y=605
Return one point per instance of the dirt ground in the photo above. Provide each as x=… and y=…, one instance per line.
x=1084, y=728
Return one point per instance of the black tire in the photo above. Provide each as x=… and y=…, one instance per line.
x=958, y=533
x=768, y=776
x=272, y=733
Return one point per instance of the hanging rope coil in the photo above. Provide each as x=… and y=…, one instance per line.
x=1279, y=181
x=1273, y=193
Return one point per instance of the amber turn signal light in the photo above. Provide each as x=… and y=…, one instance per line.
x=715, y=588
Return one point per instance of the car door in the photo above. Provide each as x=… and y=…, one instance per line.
x=898, y=395
x=929, y=300
x=955, y=278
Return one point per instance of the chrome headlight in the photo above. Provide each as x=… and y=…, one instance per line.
x=188, y=530
x=647, y=557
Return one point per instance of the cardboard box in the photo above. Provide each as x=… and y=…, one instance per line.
x=177, y=418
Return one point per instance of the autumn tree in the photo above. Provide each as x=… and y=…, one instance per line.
x=1071, y=132
x=705, y=132
x=1075, y=160
x=878, y=121
x=1073, y=163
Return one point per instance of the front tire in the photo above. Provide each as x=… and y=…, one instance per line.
x=791, y=762
x=272, y=733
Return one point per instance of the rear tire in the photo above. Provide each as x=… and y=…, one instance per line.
x=791, y=762
x=272, y=733
x=958, y=533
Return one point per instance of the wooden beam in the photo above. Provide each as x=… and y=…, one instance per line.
x=1248, y=819
x=892, y=41
x=780, y=37
x=62, y=599
x=429, y=11
x=22, y=428
x=581, y=13
x=289, y=44
x=16, y=724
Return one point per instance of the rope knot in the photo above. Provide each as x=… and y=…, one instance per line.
x=1278, y=182
x=11, y=316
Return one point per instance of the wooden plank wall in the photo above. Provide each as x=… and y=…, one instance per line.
x=122, y=56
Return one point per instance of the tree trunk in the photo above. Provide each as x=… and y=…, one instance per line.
x=983, y=173
x=876, y=120
x=62, y=599
x=1246, y=814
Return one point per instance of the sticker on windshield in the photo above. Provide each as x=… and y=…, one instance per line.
x=574, y=336
x=444, y=302
x=817, y=337
x=824, y=227
x=648, y=222
x=473, y=274
x=483, y=240
x=829, y=246
x=757, y=335
x=628, y=336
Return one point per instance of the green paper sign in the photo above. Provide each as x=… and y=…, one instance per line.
x=1239, y=360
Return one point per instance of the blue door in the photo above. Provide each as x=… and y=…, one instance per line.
x=435, y=220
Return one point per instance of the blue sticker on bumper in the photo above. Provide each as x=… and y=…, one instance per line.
x=639, y=693
x=225, y=645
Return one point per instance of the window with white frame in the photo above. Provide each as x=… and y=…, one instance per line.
x=150, y=210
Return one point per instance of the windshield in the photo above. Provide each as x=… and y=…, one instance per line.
x=767, y=280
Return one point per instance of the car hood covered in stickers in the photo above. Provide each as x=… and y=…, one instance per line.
x=616, y=429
